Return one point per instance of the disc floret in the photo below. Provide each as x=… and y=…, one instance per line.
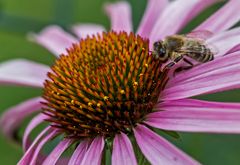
x=105, y=84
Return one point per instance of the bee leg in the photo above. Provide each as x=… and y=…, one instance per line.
x=184, y=68
x=189, y=62
x=171, y=64
x=176, y=60
x=180, y=69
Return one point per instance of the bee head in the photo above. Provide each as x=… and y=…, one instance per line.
x=159, y=49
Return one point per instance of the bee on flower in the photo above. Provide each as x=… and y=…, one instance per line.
x=107, y=91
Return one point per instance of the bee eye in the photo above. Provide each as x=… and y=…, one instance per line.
x=159, y=48
x=162, y=52
x=156, y=45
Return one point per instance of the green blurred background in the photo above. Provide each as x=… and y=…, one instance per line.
x=19, y=17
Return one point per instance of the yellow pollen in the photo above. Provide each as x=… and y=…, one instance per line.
x=90, y=104
x=105, y=98
x=122, y=91
x=98, y=105
x=146, y=65
x=72, y=102
x=135, y=84
x=80, y=107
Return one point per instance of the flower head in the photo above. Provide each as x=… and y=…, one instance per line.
x=106, y=92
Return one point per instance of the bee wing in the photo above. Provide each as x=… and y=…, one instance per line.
x=192, y=49
x=212, y=47
x=200, y=34
x=198, y=49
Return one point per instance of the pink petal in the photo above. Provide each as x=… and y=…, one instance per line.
x=33, y=124
x=42, y=157
x=79, y=153
x=83, y=30
x=176, y=15
x=23, y=72
x=120, y=16
x=201, y=70
x=192, y=104
x=28, y=156
x=199, y=119
x=234, y=49
x=218, y=75
x=57, y=152
x=225, y=46
x=158, y=150
x=152, y=12
x=37, y=157
x=14, y=116
x=123, y=153
x=225, y=35
x=226, y=42
x=94, y=153
x=53, y=38
x=224, y=18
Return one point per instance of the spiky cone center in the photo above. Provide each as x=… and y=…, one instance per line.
x=106, y=84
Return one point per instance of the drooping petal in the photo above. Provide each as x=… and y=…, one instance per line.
x=218, y=75
x=175, y=16
x=94, y=152
x=223, y=19
x=79, y=153
x=193, y=104
x=158, y=150
x=199, y=119
x=57, y=152
x=37, y=156
x=82, y=30
x=23, y=72
x=120, y=16
x=14, y=116
x=28, y=156
x=152, y=12
x=123, y=153
x=53, y=38
x=34, y=122
x=41, y=157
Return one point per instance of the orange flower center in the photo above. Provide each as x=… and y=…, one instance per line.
x=105, y=84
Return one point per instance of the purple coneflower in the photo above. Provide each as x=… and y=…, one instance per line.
x=102, y=93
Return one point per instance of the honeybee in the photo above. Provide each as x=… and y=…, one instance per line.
x=177, y=47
